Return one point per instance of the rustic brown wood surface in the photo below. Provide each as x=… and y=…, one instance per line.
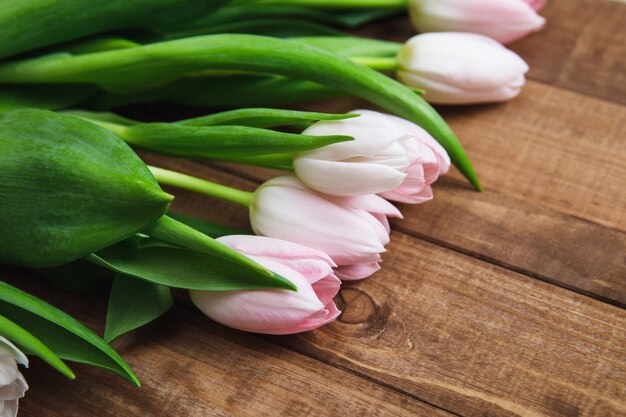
x=503, y=303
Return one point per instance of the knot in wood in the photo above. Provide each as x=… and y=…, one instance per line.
x=357, y=306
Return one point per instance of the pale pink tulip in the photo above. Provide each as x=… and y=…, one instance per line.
x=461, y=68
x=353, y=231
x=503, y=20
x=375, y=161
x=276, y=311
x=12, y=382
x=427, y=161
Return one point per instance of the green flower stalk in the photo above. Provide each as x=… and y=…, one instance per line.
x=29, y=24
x=142, y=68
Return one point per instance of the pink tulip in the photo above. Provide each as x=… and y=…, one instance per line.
x=503, y=20
x=427, y=161
x=353, y=231
x=276, y=311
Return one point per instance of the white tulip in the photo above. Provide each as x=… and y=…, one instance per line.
x=375, y=161
x=12, y=382
x=461, y=68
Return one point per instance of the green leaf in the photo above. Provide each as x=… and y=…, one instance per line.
x=32, y=345
x=155, y=65
x=80, y=277
x=211, y=229
x=163, y=263
x=51, y=22
x=134, y=303
x=69, y=188
x=220, y=142
x=262, y=118
x=64, y=335
x=50, y=97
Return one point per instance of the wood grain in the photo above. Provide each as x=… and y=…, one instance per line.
x=581, y=48
x=470, y=337
x=190, y=366
x=463, y=319
x=477, y=339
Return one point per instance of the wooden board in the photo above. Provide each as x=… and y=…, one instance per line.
x=505, y=303
x=192, y=367
x=523, y=346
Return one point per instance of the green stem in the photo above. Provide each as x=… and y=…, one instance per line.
x=187, y=182
x=388, y=64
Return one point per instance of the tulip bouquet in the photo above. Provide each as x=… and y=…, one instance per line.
x=81, y=209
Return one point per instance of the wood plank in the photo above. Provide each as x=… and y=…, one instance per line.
x=191, y=366
x=538, y=242
x=551, y=148
x=474, y=338
x=477, y=339
x=581, y=48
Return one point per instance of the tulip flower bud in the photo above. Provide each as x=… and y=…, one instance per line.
x=427, y=161
x=375, y=161
x=353, y=231
x=503, y=20
x=276, y=311
x=12, y=382
x=461, y=68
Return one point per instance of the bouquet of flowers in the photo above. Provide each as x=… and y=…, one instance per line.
x=78, y=204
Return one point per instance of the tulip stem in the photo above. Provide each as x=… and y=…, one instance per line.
x=187, y=182
x=378, y=63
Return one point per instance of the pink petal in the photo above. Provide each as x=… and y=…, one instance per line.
x=327, y=288
x=356, y=272
x=323, y=317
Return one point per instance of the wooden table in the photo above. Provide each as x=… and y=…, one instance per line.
x=505, y=303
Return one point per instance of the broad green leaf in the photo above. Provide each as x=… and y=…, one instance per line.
x=65, y=336
x=80, y=277
x=69, y=188
x=29, y=24
x=220, y=142
x=158, y=64
x=50, y=97
x=162, y=263
x=134, y=303
x=32, y=345
x=262, y=118
x=211, y=229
